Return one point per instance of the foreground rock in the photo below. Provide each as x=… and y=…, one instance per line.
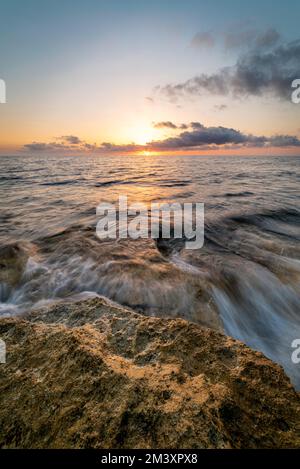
x=92, y=374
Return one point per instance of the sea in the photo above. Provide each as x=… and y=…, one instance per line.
x=243, y=281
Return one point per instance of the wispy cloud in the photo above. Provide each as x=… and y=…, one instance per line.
x=220, y=107
x=250, y=38
x=63, y=143
x=72, y=139
x=203, y=40
x=149, y=99
x=168, y=125
x=42, y=146
x=268, y=38
x=199, y=136
x=126, y=148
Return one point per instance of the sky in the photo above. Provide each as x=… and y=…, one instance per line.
x=133, y=76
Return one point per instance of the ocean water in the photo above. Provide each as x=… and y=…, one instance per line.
x=245, y=280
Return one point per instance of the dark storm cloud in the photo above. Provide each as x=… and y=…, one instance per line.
x=256, y=72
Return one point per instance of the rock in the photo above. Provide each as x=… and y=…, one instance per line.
x=93, y=374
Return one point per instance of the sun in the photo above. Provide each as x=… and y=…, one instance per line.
x=142, y=134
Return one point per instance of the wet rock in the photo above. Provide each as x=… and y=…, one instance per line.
x=13, y=259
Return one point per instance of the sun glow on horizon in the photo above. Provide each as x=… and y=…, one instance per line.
x=141, y=134
x=147, y=153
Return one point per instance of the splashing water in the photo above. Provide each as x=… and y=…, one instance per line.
x=244, y=281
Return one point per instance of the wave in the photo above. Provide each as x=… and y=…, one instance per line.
x=62, y=183
x=238, y=194
x=244, y=281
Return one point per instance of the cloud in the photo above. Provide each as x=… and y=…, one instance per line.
x=250, y=38
x=199, y=136
x=36, y=146
x=164, y=125
x=90, y=146
x=203, y=40
x=284, y=141
x=236, y=38
x=196, y=125
x=72, y=139
x=255, y=73
x=212, y=137
x=267, y=39
x=126, y=148
x=64, y=143
x=220, y=107
x=168, y=125
x=42, y=146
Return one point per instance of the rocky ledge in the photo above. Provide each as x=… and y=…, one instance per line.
x=93, y=374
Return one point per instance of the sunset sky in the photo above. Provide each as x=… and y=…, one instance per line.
x=156, y=76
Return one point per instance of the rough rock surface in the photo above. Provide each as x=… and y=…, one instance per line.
x=92, y=374
x=13, y=258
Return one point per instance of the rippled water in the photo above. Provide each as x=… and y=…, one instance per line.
x=245, y=280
